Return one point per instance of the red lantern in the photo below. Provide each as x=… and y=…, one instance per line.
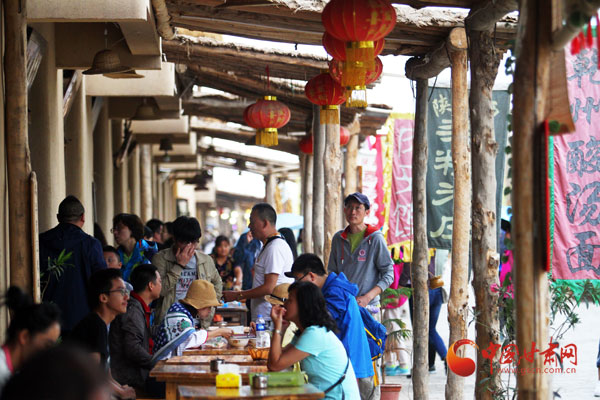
x=344, y=136
x=359, y=20
x=358, y=23
x=266, y=115
x=306, y=145
x=327, y=93
x=337, y=48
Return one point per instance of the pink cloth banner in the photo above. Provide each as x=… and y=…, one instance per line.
x=400, y=221
x=370, y=159
x=577, y=176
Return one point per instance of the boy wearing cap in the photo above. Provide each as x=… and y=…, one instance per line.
x=360, y=252
x=278, y=298
x=177, y=332
x=340, y=297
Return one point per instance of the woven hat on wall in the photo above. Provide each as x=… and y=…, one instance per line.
x=105, y=62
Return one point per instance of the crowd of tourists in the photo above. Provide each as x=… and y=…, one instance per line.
x=120, y=310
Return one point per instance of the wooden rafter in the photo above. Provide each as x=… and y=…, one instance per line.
x=287, y=144
x=416, y=31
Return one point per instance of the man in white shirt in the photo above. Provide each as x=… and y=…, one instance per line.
x=273, y=261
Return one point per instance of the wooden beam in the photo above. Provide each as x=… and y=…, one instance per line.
x=458, y=308
x=18, y=163
x=419, y=271
x=306, y=176
x=484, y=15
x=531, y=282
x=484, y=68
x=289, y=145
x=176, y=159
x=155, y=138
x=244, y=157
x=318, y=184
x=333, y=186
x=437, y=60
x=72, y=88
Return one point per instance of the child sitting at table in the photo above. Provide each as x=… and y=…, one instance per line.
x=177, y=332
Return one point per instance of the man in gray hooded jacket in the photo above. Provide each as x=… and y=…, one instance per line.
x=360, y=252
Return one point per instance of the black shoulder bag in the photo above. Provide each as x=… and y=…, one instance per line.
x=339, y=381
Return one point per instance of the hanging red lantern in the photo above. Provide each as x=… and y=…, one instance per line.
x=336, y=48
x=359, y=24
x=266, y=116
x=344, y=136
x=306, y=145
x=327, y=93
x=358, y=94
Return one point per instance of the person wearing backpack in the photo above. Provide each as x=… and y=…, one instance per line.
x=340, y=297
x=361, y=253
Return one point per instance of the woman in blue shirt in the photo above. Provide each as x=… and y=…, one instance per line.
x=320, y=353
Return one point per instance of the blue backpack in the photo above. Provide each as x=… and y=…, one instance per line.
x=376, y=333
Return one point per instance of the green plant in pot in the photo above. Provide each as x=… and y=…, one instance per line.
x=396, y=330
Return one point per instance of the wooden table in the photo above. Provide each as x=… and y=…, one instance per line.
x=307, y=391
x=234, y=314
x=225, y=351
x=198, y=374
x=206, y=359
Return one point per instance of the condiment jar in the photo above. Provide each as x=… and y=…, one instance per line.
x=214, y=364
x=260, y=381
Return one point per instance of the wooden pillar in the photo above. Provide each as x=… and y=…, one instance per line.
x=419, y=272
x=333, y=186
x=78, y=160
x=484, y=67
x=318, y=184
x=307, y=183
x=17, y=145
x=531, y=283
x=46, y=132
x=350, y=167
x=155, y=189
x=270, y=188
x=461, y=225
x=146, y=182
x=103, y=172
x=120, y=172
x=135, y=187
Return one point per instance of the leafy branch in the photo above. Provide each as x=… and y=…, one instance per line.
x=56, y=267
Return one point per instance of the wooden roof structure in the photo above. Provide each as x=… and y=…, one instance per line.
x=240, y=70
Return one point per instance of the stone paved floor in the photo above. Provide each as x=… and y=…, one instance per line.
x=576, y=386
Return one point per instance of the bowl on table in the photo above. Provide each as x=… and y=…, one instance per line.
x=239, y=342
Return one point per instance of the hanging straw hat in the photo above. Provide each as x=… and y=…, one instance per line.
x=105, y=62
x=279, y=295
x=124, y=75
x=201, y=294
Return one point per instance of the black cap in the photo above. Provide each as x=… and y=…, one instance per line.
x=361, y=198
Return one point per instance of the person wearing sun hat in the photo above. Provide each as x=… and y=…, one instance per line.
x=278, y=298
x=177, y=332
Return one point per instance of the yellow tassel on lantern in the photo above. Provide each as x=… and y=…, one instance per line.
x=354, y=73
x=361, y=52
x=356, y=96
x=329, y=115
x=266, y=137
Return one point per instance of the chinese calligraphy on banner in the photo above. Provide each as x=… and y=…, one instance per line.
x=400, y=219
x=577, y=176
x=370, y=159
x=440, y=173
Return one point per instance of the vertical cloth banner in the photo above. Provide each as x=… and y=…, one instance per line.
x=400, y=214
x=370, y=159
x=577, y=176
x=440, y=172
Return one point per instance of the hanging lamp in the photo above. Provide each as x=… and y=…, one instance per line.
x=327, y=93
x=266, y=116
x=359, y=23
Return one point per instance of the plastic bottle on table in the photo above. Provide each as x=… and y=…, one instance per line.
x=262, y=336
